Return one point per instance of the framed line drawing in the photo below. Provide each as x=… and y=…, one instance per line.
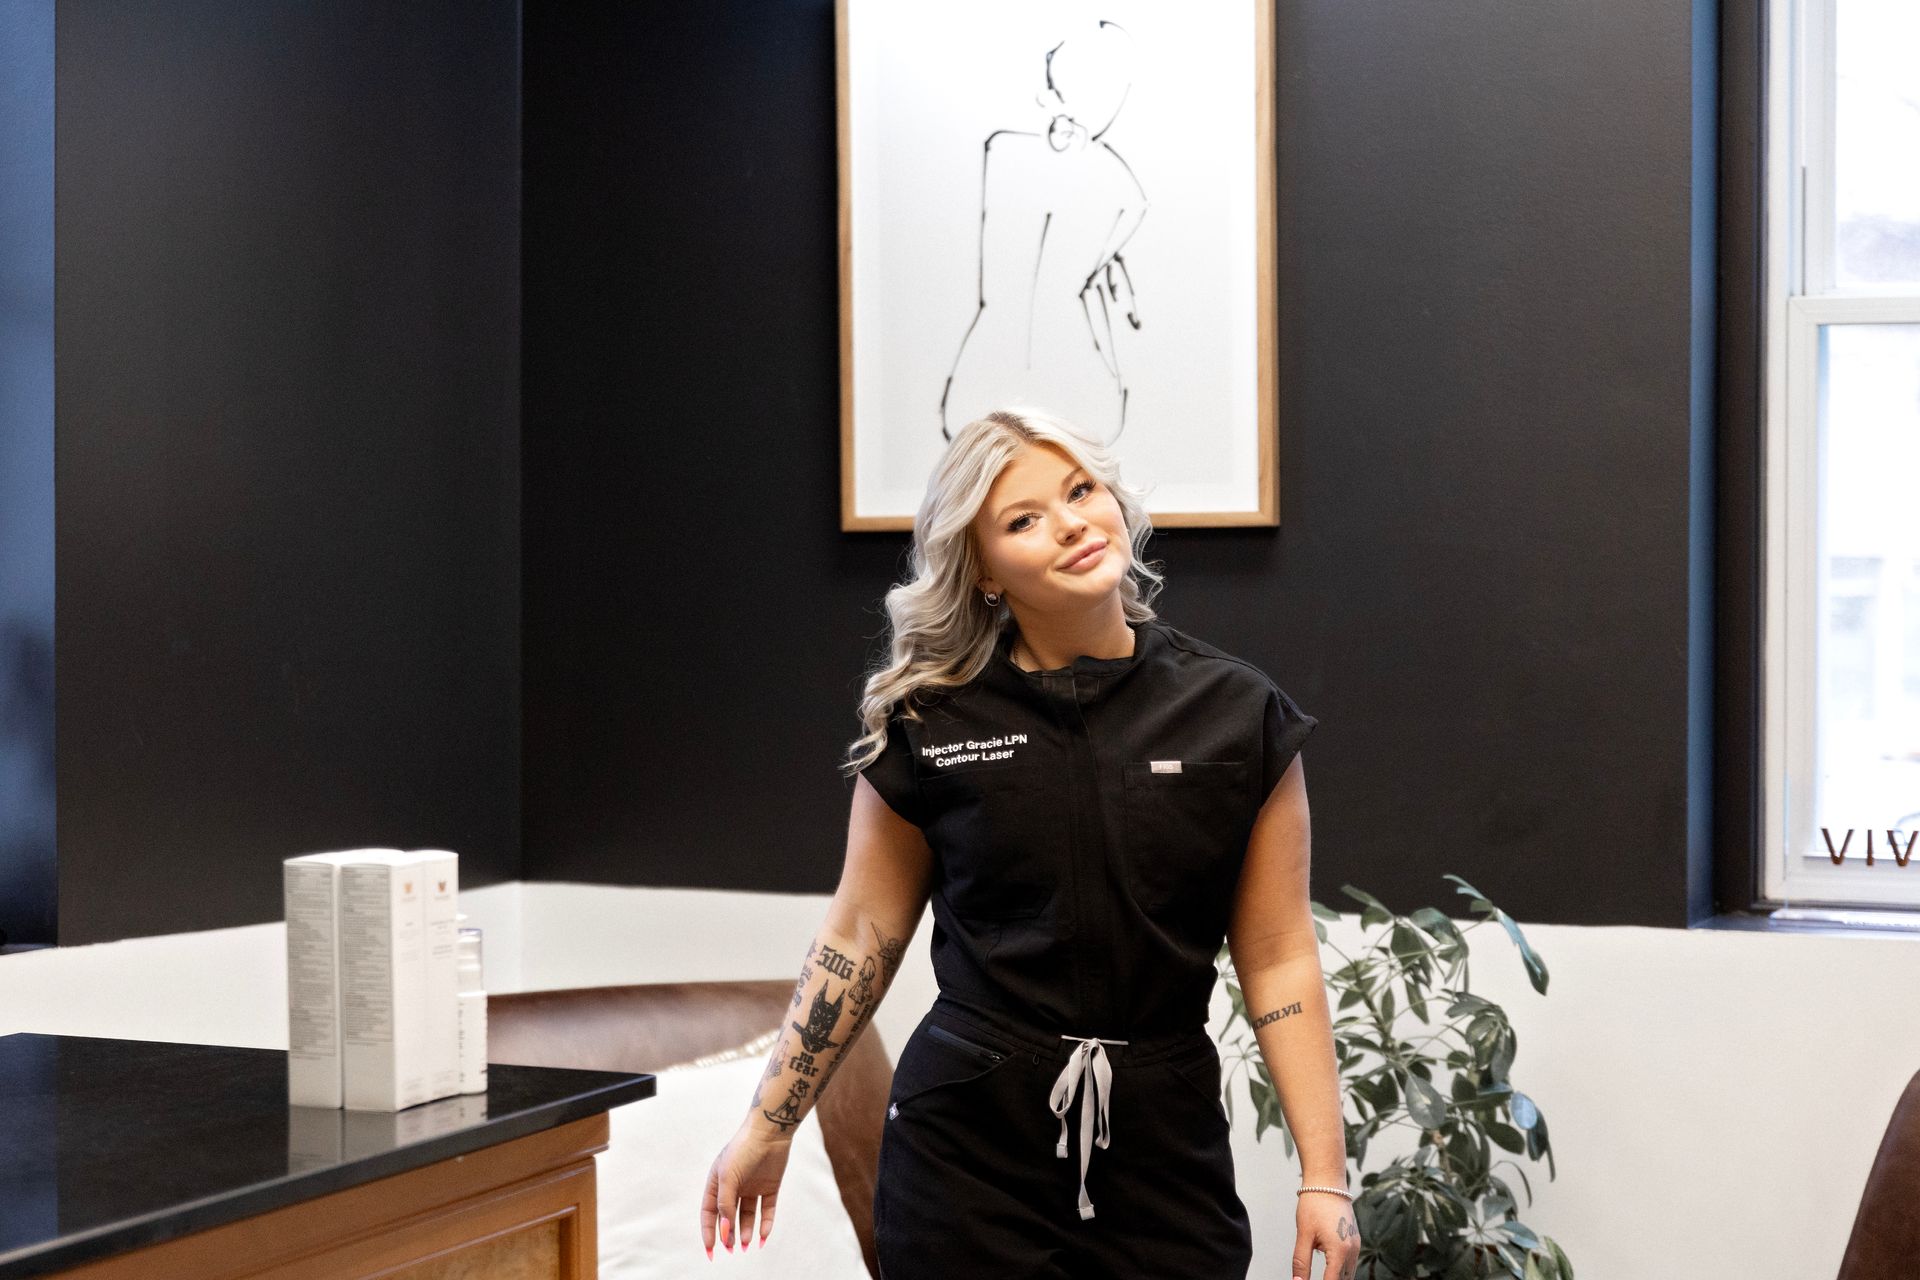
x=1067, y=205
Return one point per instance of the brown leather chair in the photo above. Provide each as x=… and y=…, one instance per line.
x=650, y=1027
x=1885, y=1244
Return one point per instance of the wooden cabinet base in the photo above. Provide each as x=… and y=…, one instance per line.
x=522, y=1210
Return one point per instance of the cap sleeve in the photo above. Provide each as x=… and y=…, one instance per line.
x=892, y=774
x=1286, y=729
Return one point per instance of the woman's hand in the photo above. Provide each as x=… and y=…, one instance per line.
x=746, y=1173
x=1325, y=1222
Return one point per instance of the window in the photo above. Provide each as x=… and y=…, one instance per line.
x=1843, y=455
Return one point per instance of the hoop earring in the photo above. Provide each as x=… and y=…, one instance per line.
x=992, y=598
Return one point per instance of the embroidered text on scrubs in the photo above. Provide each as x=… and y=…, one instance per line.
x=973, y=750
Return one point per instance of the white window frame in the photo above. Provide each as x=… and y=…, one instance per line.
x=1800, y=300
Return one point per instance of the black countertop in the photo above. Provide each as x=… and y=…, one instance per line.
x=109, y=1145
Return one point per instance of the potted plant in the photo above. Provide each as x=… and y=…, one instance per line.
x=1444, y=1211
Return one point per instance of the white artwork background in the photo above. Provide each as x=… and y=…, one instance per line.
x=928, y=84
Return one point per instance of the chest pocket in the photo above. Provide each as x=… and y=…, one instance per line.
x=1000, y=832
x=1186, y=833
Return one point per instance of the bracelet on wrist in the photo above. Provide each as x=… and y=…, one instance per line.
x=1338, y=1191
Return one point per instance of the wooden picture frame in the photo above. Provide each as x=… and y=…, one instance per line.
x=920, y=94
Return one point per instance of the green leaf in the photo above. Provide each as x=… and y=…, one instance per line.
x=1500, y=1061
x=1408, y=946
x=1393, y=1227
x=1438, y=923
x=1365, y=899
x=1516, y=1261
x=1464, y=1002
x=1468, y=1153
x=1482, y=1031
x=1519, y=1234
x=1429, y=1109
x=1536, y=967
x=1506, y=1136
x=1478, y=900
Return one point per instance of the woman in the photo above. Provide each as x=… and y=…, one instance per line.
x=1092, y=800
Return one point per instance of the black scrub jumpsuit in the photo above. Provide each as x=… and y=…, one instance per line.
x=1088, y=825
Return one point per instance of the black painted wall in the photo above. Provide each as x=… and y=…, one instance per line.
x=298, y=567
x=28, y=881
x=287, y=253
x=1496, y=305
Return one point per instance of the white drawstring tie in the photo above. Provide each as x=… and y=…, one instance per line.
x=1089, y=1058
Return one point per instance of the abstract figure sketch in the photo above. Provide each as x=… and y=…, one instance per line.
x=1057, y=207
x=1064, y=204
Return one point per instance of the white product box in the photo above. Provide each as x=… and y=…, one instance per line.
x=311, y=889
x=398, y=1037
x=441, y=869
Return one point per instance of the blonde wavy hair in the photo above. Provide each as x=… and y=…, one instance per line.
x=941, y=631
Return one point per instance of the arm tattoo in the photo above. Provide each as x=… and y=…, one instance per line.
x=848, y=984
x=1275, y=1015
x=772, y=1071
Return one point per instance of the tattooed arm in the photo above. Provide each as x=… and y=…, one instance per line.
x=840, y=986
x=850, y=964
x=1276, y=955
x=1287, y=1005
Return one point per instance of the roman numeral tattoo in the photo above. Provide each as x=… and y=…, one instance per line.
x=846, y=987
x=1276, y=1014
